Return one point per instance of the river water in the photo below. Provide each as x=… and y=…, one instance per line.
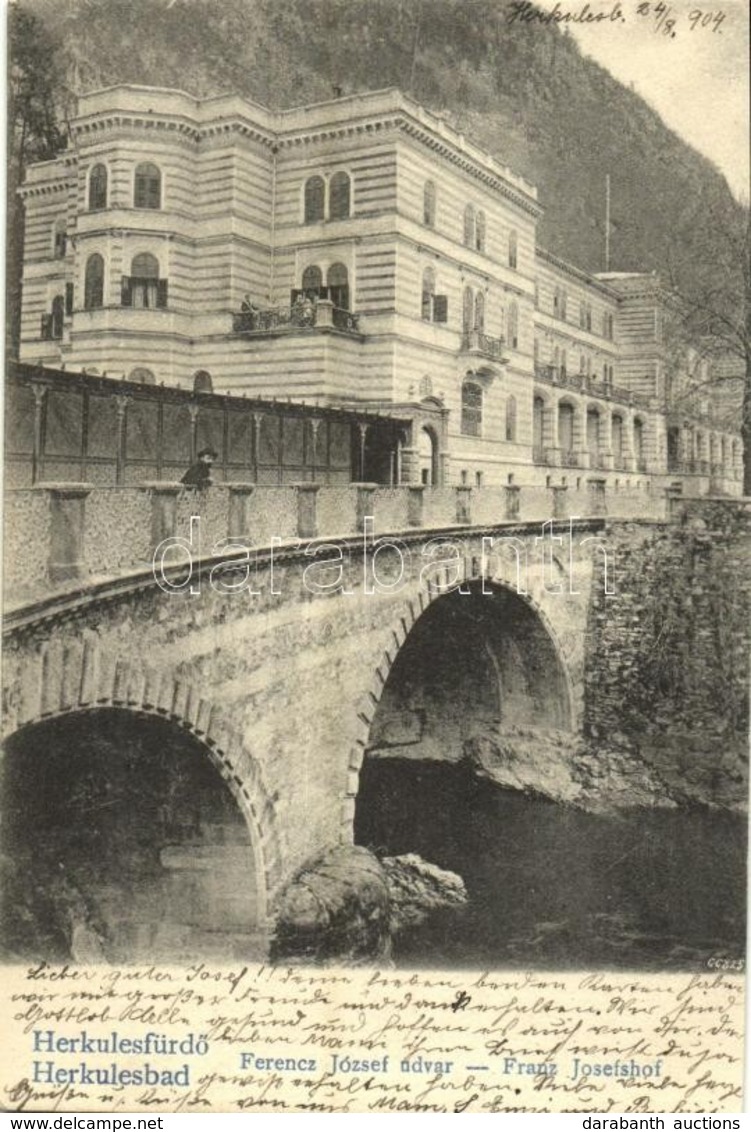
x=552, y=886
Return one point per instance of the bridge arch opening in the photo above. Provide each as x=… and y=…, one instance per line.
x=122, y=842
x=477, y=698
x=474, y=664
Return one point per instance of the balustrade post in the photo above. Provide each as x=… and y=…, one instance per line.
x=67, y=529
x=324, y=312
x=307, y=509
x=239, y=510
x=463, y=503
x=513, y=499
x=596, y=488
x=560, y=508
x=673, y=499
x=163, y=497
x=410, y=466
x=364, y=503
x=415, y=504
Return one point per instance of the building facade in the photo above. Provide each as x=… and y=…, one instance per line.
x=358, y=253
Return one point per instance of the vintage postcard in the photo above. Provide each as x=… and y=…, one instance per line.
x=377, y=557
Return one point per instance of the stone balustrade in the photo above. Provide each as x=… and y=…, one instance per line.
x=60, y=534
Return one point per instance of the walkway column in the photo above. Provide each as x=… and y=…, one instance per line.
x=121, y=405
x=67, y=532
x=39, y=402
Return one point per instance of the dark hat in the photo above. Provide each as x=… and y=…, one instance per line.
x=208, y=452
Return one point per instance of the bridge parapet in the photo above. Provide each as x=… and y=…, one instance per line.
x=57, y=532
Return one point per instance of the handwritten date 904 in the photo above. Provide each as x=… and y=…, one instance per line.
x=666, y=21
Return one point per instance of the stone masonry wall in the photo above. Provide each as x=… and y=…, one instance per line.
x=668, y=660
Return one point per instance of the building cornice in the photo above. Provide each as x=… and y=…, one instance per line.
x=577, y=273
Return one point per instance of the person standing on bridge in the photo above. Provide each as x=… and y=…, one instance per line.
x=199, y=474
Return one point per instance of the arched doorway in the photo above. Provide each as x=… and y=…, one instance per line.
x=136, y=847
x=427, y=444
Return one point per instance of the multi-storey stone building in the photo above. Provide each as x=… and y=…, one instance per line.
x=357, y=253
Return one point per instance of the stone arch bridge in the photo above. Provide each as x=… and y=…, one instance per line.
x=244, y=690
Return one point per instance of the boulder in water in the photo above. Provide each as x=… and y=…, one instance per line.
x=346, y=905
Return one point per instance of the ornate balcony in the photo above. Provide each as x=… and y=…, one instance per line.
x=476, y=342
x=303, y=315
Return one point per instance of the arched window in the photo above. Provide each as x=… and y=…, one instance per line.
x=511, y=418
x=315, y=196
x=202, y=382
x=564, y=359
x=471, y=423
x=312, y=280
x=93, y=291
x=144, y=282
x=557, y=302
x=428, y=204
x=59, y=238
x=98, y=188
x=565, y=427
x=512, y=324
x=538, y=425
x=339, y=197
x=480, y=312
x=617, y=436
x=428, y=293
x=337, y=281
x=512, y=248
x=469, y=226
x=142, y=376
x=563, y=303
x=588, y=315
x=480, y=231
x=148, y=186
x=468, y=310
x=593, y=436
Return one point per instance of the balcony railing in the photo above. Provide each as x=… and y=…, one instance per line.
x=300, y=316
x=586, y=383
x=569, y=459
x=641, y=464
x=539, y=455
x=477, y=342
